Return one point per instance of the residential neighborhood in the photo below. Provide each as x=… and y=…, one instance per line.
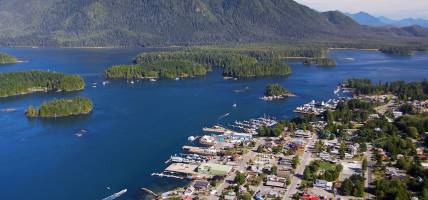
x=364, y=146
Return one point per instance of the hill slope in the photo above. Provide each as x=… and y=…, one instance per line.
x=166, y=22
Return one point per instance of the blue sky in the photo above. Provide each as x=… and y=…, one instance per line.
x=396, y=9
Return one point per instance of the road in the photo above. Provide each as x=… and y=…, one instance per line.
x=242, y=164
x=304, y=161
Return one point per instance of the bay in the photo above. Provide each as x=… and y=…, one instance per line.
x=136, y=127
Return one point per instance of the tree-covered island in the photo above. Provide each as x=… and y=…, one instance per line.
x=62, y=108
x=168, y=69
x=18, y=83
x=7, y=59
x=237, y=63
x=276, y=91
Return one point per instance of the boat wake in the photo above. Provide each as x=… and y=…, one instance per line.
x=116, y=195
x=223, y=116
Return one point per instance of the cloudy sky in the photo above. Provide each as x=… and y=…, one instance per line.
x=395, y=9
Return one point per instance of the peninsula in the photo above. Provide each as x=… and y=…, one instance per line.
x=19, y=83
x=62, y=108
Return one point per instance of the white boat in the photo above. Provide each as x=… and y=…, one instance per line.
x=94, y=86
x=177, y=79
x=234, y=105
x=132, y=82
x=116, y=195
x=191, y=138
x=106, y=82
x=152, y=80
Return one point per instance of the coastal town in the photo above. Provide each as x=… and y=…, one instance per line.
x=362, y=146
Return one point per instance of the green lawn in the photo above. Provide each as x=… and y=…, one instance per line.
x=327, y=166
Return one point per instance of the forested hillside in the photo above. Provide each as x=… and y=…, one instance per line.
x=172, y=22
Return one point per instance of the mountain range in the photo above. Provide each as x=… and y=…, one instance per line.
x=182, y=22
x=367, y=19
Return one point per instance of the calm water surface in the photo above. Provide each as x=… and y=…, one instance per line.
x=134, y=128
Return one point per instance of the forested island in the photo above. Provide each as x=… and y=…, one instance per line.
x=323, y=62
x=168, y=69
x=403, y=90
x=276, y=91
x=62, y=108
x=235, y=63
x=7, y=59
x=18, y=83
x=397, y=51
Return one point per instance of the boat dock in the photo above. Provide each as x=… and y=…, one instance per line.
x=200, y=150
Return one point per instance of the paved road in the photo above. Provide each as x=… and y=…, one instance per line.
x=304, y=161
x=242, y=164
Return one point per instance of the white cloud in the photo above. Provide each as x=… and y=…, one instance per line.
x=396, y=9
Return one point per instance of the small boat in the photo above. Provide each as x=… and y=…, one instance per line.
x=81, y=133
x=152, y=80
x=8, y=110
x=94, y=86
x=177, y=79
x=132, y=82
x=116, y=195
x=191, y=138
x=234, y=105
x=106, y=82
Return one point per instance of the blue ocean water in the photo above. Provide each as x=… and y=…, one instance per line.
x=134, y=128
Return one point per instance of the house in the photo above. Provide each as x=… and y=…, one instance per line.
x=214, y=169
x=353, y=148
x=299, y=143
x=323, y=184
x=276, y=181
x=309, y=197
x=201, y=184
x=397, y=114
x=302, y=133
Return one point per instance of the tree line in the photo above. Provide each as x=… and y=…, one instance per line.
x=403, y=90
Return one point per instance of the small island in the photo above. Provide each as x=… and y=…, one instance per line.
x=322, y=62
x=276, y=92
x=18, y=83
x=397, y=51
x=7, y=59
x=169, y=69
x=61, y=108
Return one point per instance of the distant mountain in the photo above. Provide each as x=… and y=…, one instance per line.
x=367, y=19
x=178, y=22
